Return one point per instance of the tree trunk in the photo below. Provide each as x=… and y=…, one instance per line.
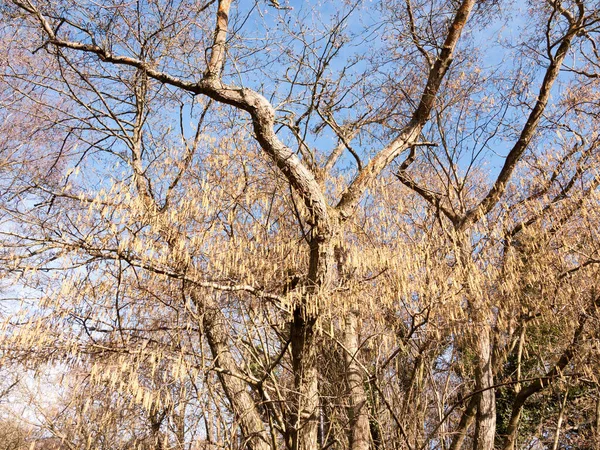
x=465, y=422
x=236, y=390
x=305, y=409
x=485, y=420
x=305, y=417
x=358, y=411
x=513, y=424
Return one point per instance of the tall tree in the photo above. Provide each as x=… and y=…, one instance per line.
x=279, y=216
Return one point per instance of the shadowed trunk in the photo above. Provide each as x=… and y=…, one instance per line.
x=305, y=413
x=304, y=423
x=466, y=420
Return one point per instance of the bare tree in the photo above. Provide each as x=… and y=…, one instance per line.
x=260, y=225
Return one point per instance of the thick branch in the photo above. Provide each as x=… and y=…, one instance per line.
x=411, y=132
x=497, y=190
x=217, y=56
x=261, y=111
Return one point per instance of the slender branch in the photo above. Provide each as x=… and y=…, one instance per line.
x=433, y=198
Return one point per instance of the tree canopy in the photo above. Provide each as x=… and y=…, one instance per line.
x=299, y=225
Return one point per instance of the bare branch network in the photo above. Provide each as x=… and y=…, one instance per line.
x=299, y=225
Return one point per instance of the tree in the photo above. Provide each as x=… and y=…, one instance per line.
x=264, y=225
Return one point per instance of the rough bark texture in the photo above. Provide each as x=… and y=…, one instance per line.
x=305, y=417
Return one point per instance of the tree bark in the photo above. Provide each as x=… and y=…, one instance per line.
x=465, y=422
x=305, y=417
x=305, y=408
x=236, y=390
x=485, y=419
x=358, y=411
